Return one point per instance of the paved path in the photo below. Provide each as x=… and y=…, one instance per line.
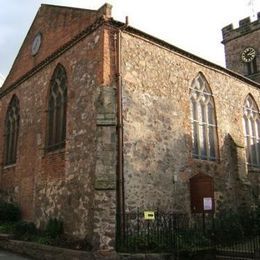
x=9, y=256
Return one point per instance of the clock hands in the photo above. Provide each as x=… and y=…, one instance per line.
x=248, y=54
x=251, y=52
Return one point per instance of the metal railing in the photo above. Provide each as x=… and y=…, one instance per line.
x=182, y=234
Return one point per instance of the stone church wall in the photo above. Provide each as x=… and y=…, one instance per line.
x=157, y=131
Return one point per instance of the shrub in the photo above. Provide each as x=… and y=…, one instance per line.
x=45, y=240
x=7, y=227
x=9, y=212
x=192, y=239
x=228, y=227
x=25, y=229
x=54, y=228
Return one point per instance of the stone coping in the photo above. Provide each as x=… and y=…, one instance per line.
x=42, y=252
x=6, y=236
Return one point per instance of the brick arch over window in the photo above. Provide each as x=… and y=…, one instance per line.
x=11, y=131
x=251, y=121
x=57, y=103
x=203, y=120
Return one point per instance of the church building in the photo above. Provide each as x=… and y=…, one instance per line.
x=99, y=119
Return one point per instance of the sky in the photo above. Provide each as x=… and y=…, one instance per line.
x=194, y=26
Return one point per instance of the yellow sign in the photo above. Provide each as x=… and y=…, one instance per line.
x=149, y=215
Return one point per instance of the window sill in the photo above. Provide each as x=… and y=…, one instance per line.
x=206, y=160
x=9, y=166
x=53, y=152
x=253, y=169
x=56, y=148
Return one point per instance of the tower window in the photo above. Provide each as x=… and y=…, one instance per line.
x=251, y=67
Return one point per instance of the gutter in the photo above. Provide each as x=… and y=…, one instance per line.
x=120, y=156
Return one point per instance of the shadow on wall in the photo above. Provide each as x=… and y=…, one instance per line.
x=234, y=183
x=158, y=173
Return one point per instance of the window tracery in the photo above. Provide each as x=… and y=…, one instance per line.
x=204, y=133
x=57, y=103
x=11, y=131
x=251, y=120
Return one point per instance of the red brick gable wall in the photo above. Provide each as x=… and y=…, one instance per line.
x=58, y=25
x=43, y=183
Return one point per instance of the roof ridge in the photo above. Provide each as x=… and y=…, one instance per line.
x=169, y=46
x=68, y=7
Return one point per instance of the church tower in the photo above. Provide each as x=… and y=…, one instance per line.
x=242, y=48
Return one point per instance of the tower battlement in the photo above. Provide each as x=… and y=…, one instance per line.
x=245, y=27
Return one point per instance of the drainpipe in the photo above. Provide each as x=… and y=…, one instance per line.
x=120, y=170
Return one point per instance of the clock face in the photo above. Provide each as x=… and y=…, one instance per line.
x=36, y=43
x=248, y=54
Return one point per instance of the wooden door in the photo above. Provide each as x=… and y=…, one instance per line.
x=201, y=193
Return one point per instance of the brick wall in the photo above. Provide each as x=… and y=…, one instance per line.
x=57, y=25
x=59, y=183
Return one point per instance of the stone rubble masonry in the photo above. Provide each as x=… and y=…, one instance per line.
x=157, y=130
x=105, y=181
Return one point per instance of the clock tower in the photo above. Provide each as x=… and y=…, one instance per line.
x=242, y=48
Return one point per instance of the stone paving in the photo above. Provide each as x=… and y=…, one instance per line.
x=4, y=255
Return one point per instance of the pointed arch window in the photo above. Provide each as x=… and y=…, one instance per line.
x=203, y=121
x=251, y=120
x=11, y=131
x=57, y=103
